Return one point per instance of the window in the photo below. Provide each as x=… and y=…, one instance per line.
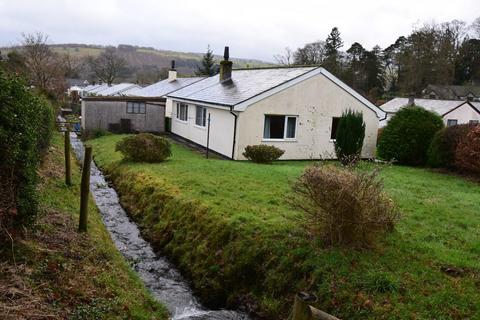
x=201, y=116
x=280, y=127
x=136, y=107
x=182, y=111
x=451, y=122
x=473, y=121
x=333, y=134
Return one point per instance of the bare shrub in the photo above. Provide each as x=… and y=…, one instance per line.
x=467, y=154
x=344, y=206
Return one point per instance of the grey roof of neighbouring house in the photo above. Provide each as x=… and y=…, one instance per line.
x=163, y=87
x=452, y=92
x=439, y=106
x=96, y=88
x=244, y=85
x=118, y=89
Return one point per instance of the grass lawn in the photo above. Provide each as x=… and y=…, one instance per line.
x=228, y=227
x=56, y=273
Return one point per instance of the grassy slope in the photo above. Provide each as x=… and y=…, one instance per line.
x=238, y=234
x=67, y=274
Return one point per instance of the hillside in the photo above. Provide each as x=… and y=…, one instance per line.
x=145, y=64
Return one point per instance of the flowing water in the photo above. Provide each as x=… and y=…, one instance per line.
x=158, y=275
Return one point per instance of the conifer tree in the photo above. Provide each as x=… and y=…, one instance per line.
x=332, y=44
x=349, y=138
x=208, y=64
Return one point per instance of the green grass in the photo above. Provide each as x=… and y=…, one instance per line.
x=72, y=275
x=228, y=227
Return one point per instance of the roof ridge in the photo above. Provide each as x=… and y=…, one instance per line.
x=279, y=67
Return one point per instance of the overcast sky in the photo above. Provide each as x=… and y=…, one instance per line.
x=252, y=28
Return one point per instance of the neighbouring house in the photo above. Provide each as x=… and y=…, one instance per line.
x=133, y=109
x=123, y=114
x=449, y=92
x=295, y=109
x=452, y=111
x=164, y=87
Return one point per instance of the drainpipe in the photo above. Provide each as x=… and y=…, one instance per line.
x=234, y=131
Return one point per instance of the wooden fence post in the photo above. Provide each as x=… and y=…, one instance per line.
x=68, y=171
x=85, y=190
x=301, y=308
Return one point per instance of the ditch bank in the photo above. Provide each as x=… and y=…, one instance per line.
x=227, y=265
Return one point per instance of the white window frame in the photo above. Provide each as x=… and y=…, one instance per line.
x=203, y=117
x=450, y=125
x=179, y=113
x=284, y=128
x=473, y=122
x=135, y=107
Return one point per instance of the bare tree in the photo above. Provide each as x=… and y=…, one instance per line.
x=73, y=66
x=285, y=59
x=44, y=67
x=476, y=27
x=108, y=65
x=311, y=53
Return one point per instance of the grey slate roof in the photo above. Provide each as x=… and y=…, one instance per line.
x=163, y=87
x=118, y=89
x=244, y=85
x=97, y=88
x=439, y=106
x=452, y=92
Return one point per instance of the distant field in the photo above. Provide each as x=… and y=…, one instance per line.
x=228, y=227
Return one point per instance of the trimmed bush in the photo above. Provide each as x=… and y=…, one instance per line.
x=408, y=135
x=441, y=152
x=467, y=155
x=345, y=207
x=144, y=147
x=262, y=153
x=349, y=138
x=26, y=125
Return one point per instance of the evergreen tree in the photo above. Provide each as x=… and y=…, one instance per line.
x=332, y=44
x=208, y=64
x=349, y=138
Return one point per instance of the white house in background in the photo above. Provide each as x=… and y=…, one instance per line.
x=295, y=109
x=452, y=111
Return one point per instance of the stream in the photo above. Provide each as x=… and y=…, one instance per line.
x=157, y=273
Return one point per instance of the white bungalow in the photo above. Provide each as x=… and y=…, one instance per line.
x=452, y=111
x=296, y=109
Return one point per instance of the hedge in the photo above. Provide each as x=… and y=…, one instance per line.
x=26, y=126
x=441, y=153
x=408, y=135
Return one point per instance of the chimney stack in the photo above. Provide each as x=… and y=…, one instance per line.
x=172, y=73
x=411, y=99
x=226, y=66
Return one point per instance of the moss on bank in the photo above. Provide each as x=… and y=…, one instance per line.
x=227, y=226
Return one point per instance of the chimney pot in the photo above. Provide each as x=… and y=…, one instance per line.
x=411, y=100
x=226, y=53
x=226, y=66
x=172, y=73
